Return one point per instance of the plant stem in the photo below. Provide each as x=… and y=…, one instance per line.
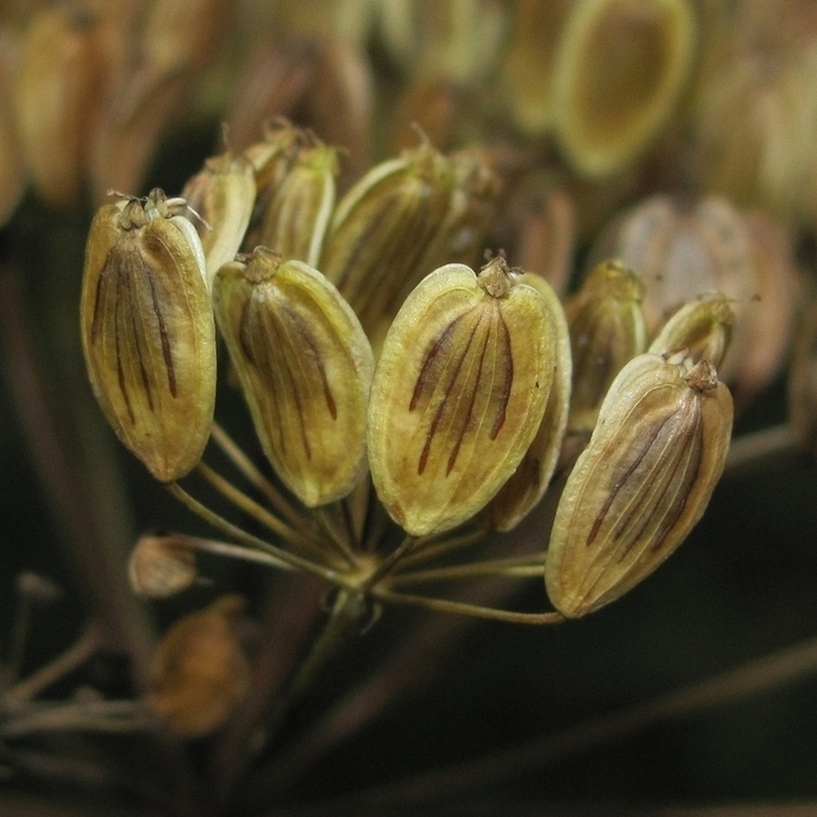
x=461, y=608
x=237, y=552
x=112, y=717
x=389, y=563
x=515, y=567
x=431, y=548
x=254, y=476
x=249, y=506
x=66, y=662
x=295, y=561
x=348, y=612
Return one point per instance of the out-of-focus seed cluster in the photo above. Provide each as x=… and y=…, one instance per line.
x=417, y=352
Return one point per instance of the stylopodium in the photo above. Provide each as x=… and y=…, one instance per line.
x=409, y=405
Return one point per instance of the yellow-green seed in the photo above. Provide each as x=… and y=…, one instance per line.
x=305, y=367
x=607, y=329
x=529, y=482
x=148, y=332
x=641, y=484
x=460, y=388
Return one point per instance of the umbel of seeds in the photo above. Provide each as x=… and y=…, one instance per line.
x=641, y=484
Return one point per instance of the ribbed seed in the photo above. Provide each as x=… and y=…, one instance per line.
x=148, y=332
x=458, y=395
x=702, y=327
x=527, y=485
x=607, y=329
x=305, y=367
x=223, y=194
x=641, y=484
x=381, y=228
x=297, y=215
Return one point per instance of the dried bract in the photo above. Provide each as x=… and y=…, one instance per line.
x=305, y=367
x=641, y=484
x=199, y=672
x=161, y=566
x=148, y=332
x=459, y=392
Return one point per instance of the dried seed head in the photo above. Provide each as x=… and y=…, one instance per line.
x=471, y=208
x=325, y=83
x=200, y=672
x=272, y=156
x=296, y=217
x=148, y=332
x=156, y=53
x=161, y=566
x=223, y=194
x=529, y=482
x=607, y=329
x=458, y=395
x=305, y=367
x=381, y=228
x=702, y=327
x=620, y=68
x=753, y=108
x=641, y=484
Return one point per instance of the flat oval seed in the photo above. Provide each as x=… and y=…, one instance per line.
x=148, y=332
x=641, y=484
x=527, y=485
x=305, y=367
x=458, y=394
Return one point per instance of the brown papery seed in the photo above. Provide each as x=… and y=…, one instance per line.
x=381, y=229
x=459, y=392
x=641, y=484
x=200, y=671
x=161, y=566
